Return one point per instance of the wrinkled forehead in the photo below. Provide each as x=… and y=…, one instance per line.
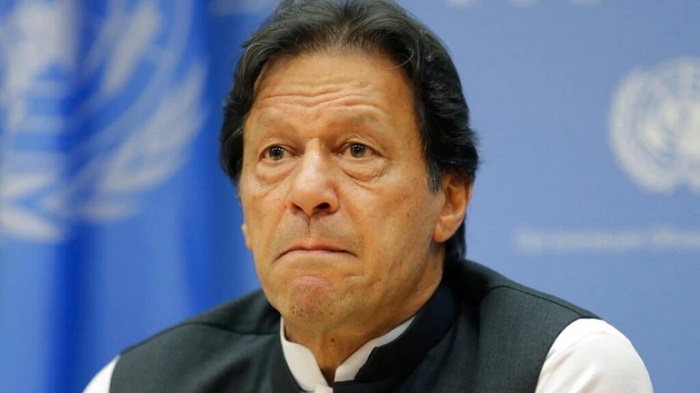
x=356, y=85
x=371, y=52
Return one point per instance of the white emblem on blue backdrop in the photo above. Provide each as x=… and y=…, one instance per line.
x=92, y=115
x=655, y=126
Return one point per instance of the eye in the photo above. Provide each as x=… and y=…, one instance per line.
x=358, y=150
x=275, y=153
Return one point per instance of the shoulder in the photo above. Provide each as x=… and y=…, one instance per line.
x=517, y=326
x=222, y=340
x=541, y=340
x=225, y=342
x=500, y=298
x=590, y=355
x=250, y=315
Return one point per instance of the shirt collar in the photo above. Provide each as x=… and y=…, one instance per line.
x=306, y=372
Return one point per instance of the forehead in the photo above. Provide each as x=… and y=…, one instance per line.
x=353, y=79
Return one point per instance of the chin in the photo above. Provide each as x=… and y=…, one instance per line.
x=308, y=299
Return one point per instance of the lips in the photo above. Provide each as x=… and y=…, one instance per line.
x=313, y=247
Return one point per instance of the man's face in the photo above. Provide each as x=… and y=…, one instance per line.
x=338, y=212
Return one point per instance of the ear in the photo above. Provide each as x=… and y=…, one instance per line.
x=244, y=229
x=457, y=191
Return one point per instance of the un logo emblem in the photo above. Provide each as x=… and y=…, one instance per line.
x=99, y=104
x=655, y=126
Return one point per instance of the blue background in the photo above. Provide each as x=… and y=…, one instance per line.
x=540, y=78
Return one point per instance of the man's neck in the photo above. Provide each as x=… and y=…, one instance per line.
x=303, y=366
x=332, y=346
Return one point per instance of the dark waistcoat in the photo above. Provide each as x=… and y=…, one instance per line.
x=479, y=333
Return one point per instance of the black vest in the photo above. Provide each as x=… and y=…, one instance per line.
x=479, y=333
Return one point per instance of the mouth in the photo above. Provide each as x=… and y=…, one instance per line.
x=314, y=248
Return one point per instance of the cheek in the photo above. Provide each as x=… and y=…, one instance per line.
x=398, y=225
x=260, y=219
x=259, y=198
x=412, y=219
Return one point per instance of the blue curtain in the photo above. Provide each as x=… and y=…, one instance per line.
x=116, y=219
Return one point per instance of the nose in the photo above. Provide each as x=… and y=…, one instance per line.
x=313, y=189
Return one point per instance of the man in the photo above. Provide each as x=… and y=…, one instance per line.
x=347, y=135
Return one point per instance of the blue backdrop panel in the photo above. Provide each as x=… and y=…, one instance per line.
x=115, y=220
